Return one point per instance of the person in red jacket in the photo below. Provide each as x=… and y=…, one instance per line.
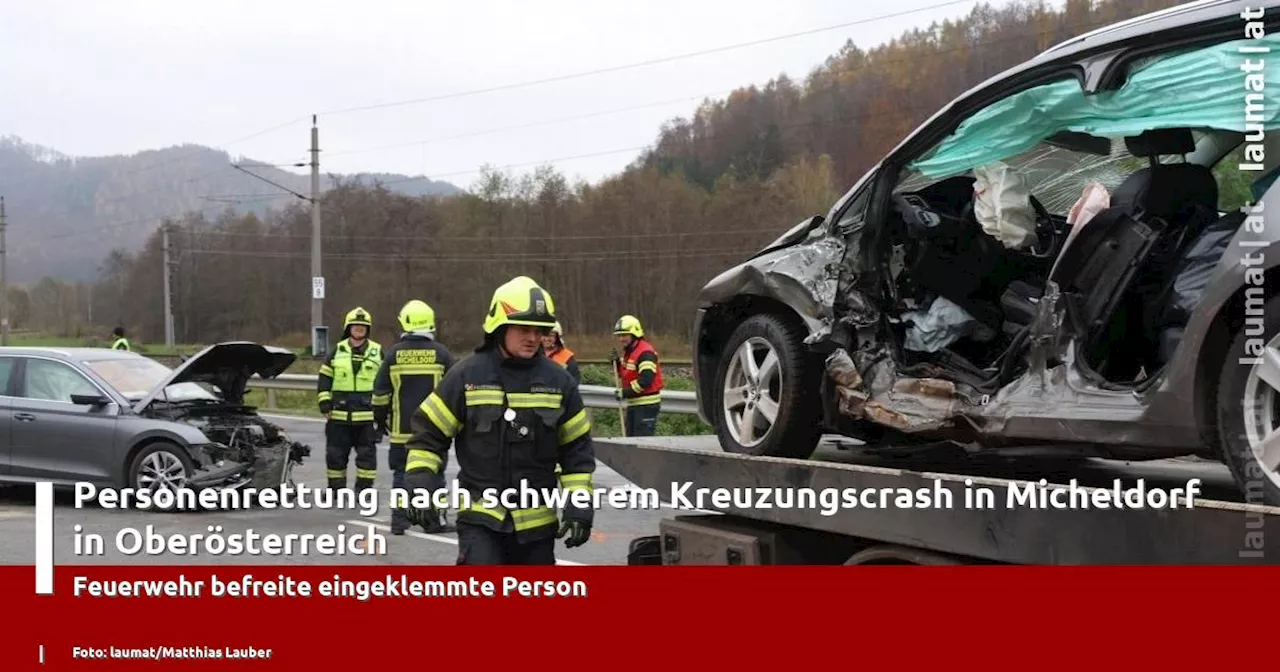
x=640, y=374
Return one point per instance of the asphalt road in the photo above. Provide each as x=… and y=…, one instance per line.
x=614, y=528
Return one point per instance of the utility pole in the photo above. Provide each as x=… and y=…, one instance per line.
x=168, y=297
x=4, y=285
x=319, y=337
x=319, y=334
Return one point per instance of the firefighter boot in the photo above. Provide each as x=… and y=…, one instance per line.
x=399, y=521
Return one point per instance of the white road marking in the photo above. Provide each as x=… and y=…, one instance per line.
x=305, y=418
x=435, y=537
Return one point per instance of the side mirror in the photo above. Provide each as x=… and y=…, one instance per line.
x=95, y=400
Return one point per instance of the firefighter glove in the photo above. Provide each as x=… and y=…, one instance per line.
x=416, y=516
x=578, y=531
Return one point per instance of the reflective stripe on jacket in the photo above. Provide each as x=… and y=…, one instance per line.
x=510, y=421
x=640, y=374
x=411, y=369
x=345, y=381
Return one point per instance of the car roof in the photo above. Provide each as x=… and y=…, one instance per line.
x=1178, y=16
x=81, y=354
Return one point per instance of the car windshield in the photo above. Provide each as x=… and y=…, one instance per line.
x=1057, y=175
x=1181, y=90
x=134, y=377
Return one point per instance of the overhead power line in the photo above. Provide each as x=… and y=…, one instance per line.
x=642, y=64
x=824, y=123
x=532, y=124
x=834, y=74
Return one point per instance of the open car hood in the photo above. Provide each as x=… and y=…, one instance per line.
x=227, y=366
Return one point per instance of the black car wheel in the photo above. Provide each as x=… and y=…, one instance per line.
x=1249, y=410
x=767, y=399
x=159, y=466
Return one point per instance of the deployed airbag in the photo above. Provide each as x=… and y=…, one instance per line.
x=1201, y=88
x=1002, y=205
x=943, y=324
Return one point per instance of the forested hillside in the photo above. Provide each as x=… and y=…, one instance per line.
x=716, y=187
x=66, y=211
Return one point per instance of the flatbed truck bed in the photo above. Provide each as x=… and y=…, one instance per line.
x=1221, y=528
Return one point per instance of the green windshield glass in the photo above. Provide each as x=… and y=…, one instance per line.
x=1206, y=88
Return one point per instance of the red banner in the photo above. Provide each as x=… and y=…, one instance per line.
x=328, y=618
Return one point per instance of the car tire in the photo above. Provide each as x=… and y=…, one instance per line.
x=1240, y=416
x=160, y=459
x=789, y=391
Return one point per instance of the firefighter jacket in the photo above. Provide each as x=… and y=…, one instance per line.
x=344, y=385
x=640, y=374
x=411, y=368
x=511, y=421
x=565, y=357
x=121, y=343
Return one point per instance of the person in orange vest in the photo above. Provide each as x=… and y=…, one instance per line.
x=554, y=347
x=640, y=374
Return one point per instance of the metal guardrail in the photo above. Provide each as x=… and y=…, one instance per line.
x=594, y=396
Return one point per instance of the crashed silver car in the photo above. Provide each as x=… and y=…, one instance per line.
x=1047, y=266
x=118, y=419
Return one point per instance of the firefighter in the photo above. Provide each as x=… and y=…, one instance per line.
x=553, y=345
x=640, y=375
x=515, y=417
x=121, y=343
x=344, y=391
x=411, y=368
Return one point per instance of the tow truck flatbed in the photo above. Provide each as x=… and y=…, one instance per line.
x=1221, y=527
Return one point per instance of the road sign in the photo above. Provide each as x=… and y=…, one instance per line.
x=317, y=288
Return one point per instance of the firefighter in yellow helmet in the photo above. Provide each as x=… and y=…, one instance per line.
x=411, y=369
x=640, y=374
x=344, y=391
x=515, y=417
x=553, y=345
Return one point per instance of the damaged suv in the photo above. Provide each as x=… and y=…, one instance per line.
x=119, y=419
x=1050, y=265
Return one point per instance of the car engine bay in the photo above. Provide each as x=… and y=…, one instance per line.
x=245, y=437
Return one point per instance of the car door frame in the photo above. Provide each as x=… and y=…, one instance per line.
x=6, y=411
x=17, y=389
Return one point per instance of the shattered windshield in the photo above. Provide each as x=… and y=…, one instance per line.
x=134, y=377
x=1057, y=176
x=1181, y=90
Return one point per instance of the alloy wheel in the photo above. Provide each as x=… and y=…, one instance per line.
x=162, y=470
x=1262, y=410
x=752, y=388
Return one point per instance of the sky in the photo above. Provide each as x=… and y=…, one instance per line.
x=446, y=81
